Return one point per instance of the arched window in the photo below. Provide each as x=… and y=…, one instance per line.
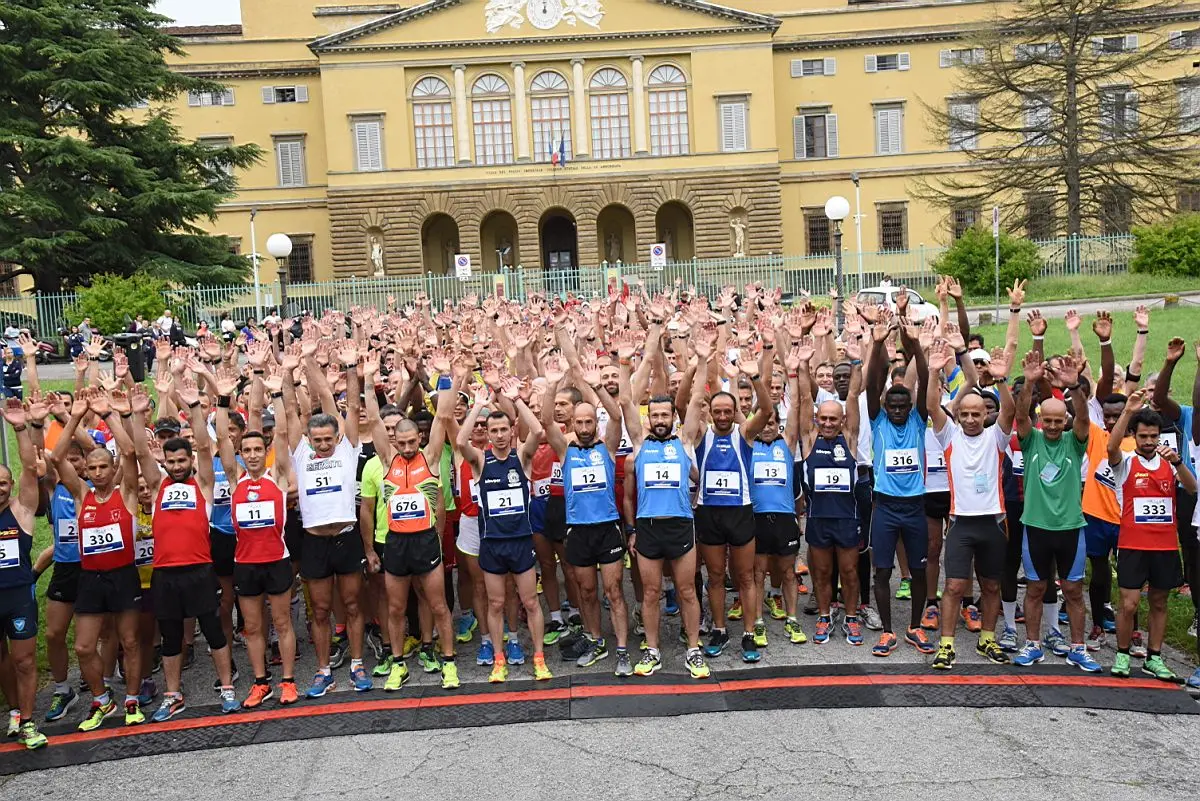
x=433, y=123
x=668, y=111
x=491, y=108
x=610, y=114
x=550, y=99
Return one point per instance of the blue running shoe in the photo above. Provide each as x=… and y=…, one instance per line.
x=465, y=627
x=321, y=684
x=1055, y=642
x=486, y=654
x=671, y=602
x=750, y=652
x=1079, y=657
x=513, y=653
x=229, y=703
x=1008, y=640
x=1109, y=626
x=1030, y=654
x=1062, y=616
x=1194, y=680
x=172, y=704
x=148, y=692
x=61, y=704
x=362, y=679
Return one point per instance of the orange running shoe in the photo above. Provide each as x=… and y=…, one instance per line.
x=258, y=694
x=932, y=619
x=971, y=616
x=288, y=694
x=801, y=568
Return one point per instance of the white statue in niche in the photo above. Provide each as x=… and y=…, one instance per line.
x=613, y=247
x=669, y=243
x=377, y=255
x=739, y=237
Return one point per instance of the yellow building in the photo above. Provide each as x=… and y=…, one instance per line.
x=397, y=137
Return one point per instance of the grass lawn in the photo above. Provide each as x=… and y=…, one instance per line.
x=1066, y=287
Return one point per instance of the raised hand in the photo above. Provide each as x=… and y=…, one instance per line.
x=79, y=406
x=953, y=287
x=706, y=339
x=1033, y=367
x=81, y=364
x=227, y=381
x=1037, y=324
x=273, y=382
x=1016, y=294
x=1136, y=400
x=902, y=302
x=592, y=373
x=854, y=349
x=1141, y=318
x=348, y=353
x=511, y=387
x=187, y=390
x=1175, y=349
x=93, y=347
x=1072, y=320
x=120, y=402
x=291, y=357
x=998, y=366
x=39, y=408
x=954, y=337
x=1067, y=371
x=162, y=348
x=928, y=333
x=482, y=395
x=15, y=413
x=806, y=348
x=748, y=366
x=99, y=402
x=1102, y=326
x=139, y=399
x=939, y=356
x=553, y=368
x=823, y=323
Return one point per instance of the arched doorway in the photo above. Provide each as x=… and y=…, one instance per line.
x=616, y=238
x=498, y=242
x=439, y=243
x=560, y=241
x=673, y=227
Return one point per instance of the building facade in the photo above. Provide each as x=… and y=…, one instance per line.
x=565, y=133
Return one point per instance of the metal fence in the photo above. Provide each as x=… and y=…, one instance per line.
x=1069, y=256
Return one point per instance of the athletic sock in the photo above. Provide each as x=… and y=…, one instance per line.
x=62, y=687
x=446, y=658
x=1010, y=613
x=932, y=602
x=948, y=640
x=986, y=636
x=103, y=698
x=326, y=670
x=487, y=637
x=355, y=664
x=1050, y=615
x=556, y=615
x=130, y=699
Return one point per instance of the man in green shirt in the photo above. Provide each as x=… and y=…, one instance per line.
x=1053, y=518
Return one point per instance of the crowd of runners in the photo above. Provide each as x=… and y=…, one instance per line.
x=419, y=478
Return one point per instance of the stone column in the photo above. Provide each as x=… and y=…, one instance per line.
x=579, y=99
x=462, y=121
x=521, y=112
x=639, y=108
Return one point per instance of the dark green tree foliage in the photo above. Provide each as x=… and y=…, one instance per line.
x=972, y=260
x=1168, y=248
x=88, y=185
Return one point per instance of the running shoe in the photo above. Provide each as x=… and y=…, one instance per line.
x=228, y=702
x=1056, y=643
x=801, y=587
x=259, y=693
x=60, y=704
x=750, y=652
x=852, y=628
x=513, y=654
x=499, y=673
x=428, y=661
x=1008, y=640
x=1156, y=667
x=384, y=666
x=1063, y=617
x=887, y=643
x=486, y=655
x=397, y=678
x=729, y=587
x=1120, y=667
x=801, y=568
x=794, y=633
x=288, y=693
x=1109, y=621
x=824, y=626
x=639, y=628
x=904, y=593
x=540, y=671
x=1137, y=646
x=573, y=646
x=322, y=683
x=735, y=611
x=449, y=676
x=1020, y=615
x=696, y=665
x=716, y=643
x=147, y=692
x=598, y=650
x=971, y=617
x=810, y=607
x=760, y=634
x=931, y=620
x=554, y=630
x=411, y=646
x=97, y=715
x=624, y=664
x=30, y=737
x=234, y=676
x=172, y=704
x=649, y=664
x=1030, y=654
x=575, y=621
x=918, y=639
x=1080, y=658
x=1193, y=681
x=869, y=617
x=945, y=657
x=992, y=652
x=1095, y=640
x=276, y=657
x=361, y=679
x=776, y=608
x=338, y=648
x=14, y=722
x=671, y=603
x=375, y=639
x=133, y=714
x=465, y=627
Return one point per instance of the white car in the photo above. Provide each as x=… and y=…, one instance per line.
x=918, y=307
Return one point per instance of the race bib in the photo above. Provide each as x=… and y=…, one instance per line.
x=722, y=482
x=1105, y=477
x=1170, y=439
x=1153, y=510
x=105, y=539
x=407, y=506
x=1049, y=472
x=1018, y=463
x=556, y=474
x=831, y=479
x=541, y=487
x=143, y=552
x=325, y=482
x=937, y=461
x=771, y=474
x=625, y=446
x=588, y=479
x=255, y=514
x=178, y=498
x=67, y=531
x=473, y=488
x=222, y=494
x=502, y=503
x=901, y=461
x=10, y=552
x=661, y=475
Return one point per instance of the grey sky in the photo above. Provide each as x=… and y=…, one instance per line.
x=201, y=12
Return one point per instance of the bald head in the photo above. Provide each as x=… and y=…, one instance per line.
x=1053, y=416
x=584, y=423
x=972, y=414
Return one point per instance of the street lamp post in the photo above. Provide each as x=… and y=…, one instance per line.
x=836, y=209
x=280, y=246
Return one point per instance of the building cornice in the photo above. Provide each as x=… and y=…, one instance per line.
x=250, y=70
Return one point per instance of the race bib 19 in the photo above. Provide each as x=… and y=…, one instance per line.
x=937, y=461
x=831, y=479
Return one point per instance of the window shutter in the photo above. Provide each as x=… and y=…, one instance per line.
x=367, y=143
x=797, y=68
x=1189, y=107
x=831, y=136
x=1175, y=40
x=798, y=147
x=903, y=61
x=291, y=163
x=870, y=63
x=302, y=93
x=978, y=55
x=831, y=66
x=1097, y=45
x=268, y=94
x=1131, y=112
x=193, y=98
x=882, y=140
x=227, y=97
x=1131, y=41
x=733, y=126
x=1108, y=115
x=944, y=58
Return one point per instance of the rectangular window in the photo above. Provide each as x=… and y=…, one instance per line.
x=1116, y=210
x=300, y=263
x=964, y=219
x=610, y=126
x=1188, y=198
x=216, y=143
x=1118, y=113
x=733, y=124
x=551, y=126
x=1038, y=51
x=1189, y=107
x=220, y=97
x=434, y=127
x=1038, y=113
x=368, y=144
x=964, y=124
x=954, y=57
x=889, y=129
x=289, y=155
x=493, y=131
x=1184, y=40
x=668, y=122
x=818, y=233
x=285, y=94
x=1041, y=220
x=893, y=226
x=1107, y=45
x=812, y=67
x=887, y=62
x=815, y=135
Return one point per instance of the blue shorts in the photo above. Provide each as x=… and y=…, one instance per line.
x=18, y=613
x=832, y=532
x=1049, y=553
x=537, y=513
x=1100, y=536
x=896, y=519
x=503, y=555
